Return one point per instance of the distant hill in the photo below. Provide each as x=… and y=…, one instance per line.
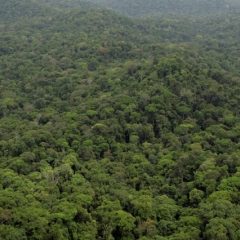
x=68, y=3
x=12, y=10
x=139, y=8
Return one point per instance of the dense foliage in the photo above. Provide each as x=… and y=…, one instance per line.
x=166, y=7
x=117, y=128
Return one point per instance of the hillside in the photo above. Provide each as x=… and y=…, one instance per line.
x=139, y=8
x=12, y=10
x=115, y=128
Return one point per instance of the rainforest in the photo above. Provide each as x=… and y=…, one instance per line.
x=119, y=120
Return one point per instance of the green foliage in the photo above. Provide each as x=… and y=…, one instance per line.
x=118, y=128
x=161, y=7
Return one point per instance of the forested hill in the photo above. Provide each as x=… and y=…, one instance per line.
x=116, y=128
x=12, y=10
x=140, y=8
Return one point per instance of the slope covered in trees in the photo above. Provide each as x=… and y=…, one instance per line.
x=139, y=8
x=116, y=128
x=13, y=10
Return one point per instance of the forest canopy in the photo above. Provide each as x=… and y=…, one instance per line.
x=115, y=124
